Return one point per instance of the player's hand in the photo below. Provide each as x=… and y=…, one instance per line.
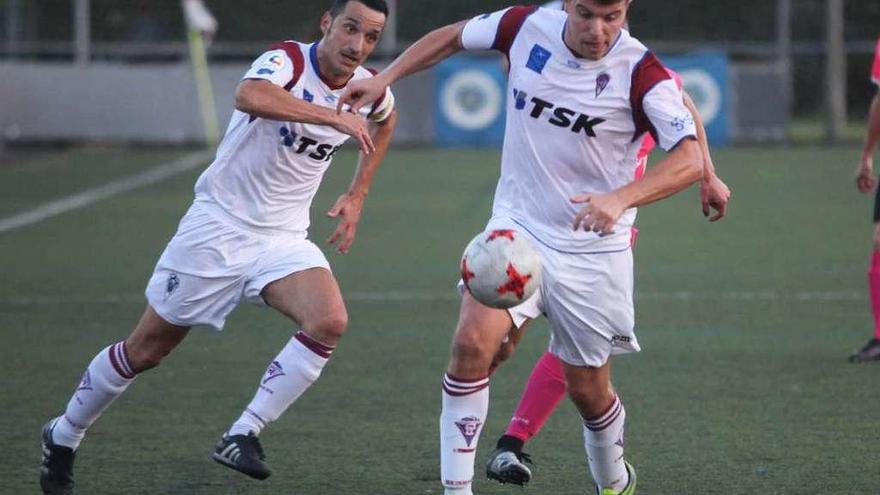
x=714, y=195
x=865, y=180
x=355, y=126
x=601, y=213
x=361, y=92
x=348, y=209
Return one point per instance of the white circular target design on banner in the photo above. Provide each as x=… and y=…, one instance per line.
x=705, y=91
x=471, y=99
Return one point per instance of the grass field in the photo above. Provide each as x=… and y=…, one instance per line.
x=742, y=387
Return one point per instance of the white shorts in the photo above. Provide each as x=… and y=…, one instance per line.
x=210, y=265
x=587, y=298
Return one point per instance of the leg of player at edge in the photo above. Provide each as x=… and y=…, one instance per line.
x=871, y=350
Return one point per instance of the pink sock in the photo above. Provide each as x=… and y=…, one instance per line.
x=874, y=288
x=544, y=390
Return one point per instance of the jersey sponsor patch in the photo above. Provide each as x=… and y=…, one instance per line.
x=682, y=122
x=270, y=63
x=538, y=58
x=557, y=115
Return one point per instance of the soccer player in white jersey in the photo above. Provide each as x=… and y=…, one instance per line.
x=582, y=95
x=245, y=237
x=866, y=183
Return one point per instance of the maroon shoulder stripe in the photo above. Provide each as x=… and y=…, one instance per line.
x=648, y=73
x=295, y=53
x=509, y=27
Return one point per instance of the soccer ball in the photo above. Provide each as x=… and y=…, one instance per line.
x=501, y=268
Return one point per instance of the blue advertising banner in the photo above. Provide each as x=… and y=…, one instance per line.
x=706, y=81
x=469, y=100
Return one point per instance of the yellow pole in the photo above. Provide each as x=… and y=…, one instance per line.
x=199, y=59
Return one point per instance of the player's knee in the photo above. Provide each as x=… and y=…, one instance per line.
x=143, y=355
x=329, y=328
x=590, y=399
x=470, y=346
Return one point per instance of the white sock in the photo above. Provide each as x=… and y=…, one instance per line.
x=293, y=371
x=603, y=439
x=107, y=376
x=465, y=406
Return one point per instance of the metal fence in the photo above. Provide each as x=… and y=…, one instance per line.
x=826, y=72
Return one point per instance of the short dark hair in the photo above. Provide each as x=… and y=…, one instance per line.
x=377, y=5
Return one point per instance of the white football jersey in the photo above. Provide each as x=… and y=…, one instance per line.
x=266, y=172
x=573, y=125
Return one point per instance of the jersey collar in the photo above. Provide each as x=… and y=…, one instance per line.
x=313, y=57
x=586, y=62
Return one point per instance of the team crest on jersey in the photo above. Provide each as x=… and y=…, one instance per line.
x=469, y=427
x=602, y=81
x=171, y=285
x=273, y=371
x=538, y=58
x=86, y=382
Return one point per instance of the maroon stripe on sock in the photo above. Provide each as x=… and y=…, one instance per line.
x=123, y=359
x=601, y=425
x=257, y=417
x=71, y=423
x=114, y=360
x=456, y=393
x=464, y=388
x=612, y=408
x=313, y=345
x=464, y=380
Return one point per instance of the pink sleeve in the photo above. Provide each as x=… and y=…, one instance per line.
x=875, y=71
x=675, y=77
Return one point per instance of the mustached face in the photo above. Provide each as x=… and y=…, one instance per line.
x=350, y=37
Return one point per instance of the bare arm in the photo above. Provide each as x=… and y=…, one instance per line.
x=714, y=193
x=865, y=179
x=873, y=138
x=426, y=52
x=349, y=206
x=430, y=50
x=266, y=100
x=708, y=166
x=678, y=170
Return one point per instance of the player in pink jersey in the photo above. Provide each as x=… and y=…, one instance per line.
x=582, y=96
x=867, y=182
x=245, y=238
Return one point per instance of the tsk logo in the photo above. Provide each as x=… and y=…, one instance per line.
x=320, y=152
x=560, y=117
